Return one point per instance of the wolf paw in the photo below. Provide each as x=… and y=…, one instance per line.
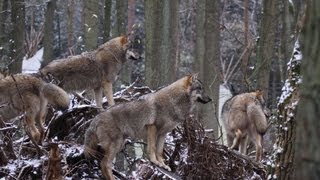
x=165, y=167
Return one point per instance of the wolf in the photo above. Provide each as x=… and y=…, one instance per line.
x=25, y=94
x=95, y=70
x=244, y=118
x=150, y=118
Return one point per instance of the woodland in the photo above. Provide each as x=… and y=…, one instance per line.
x=236, y=46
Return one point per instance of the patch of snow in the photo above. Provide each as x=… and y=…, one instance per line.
x=32, y=64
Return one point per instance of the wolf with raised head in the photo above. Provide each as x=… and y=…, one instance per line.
x=150, y=117
x=95, y=70
x=25, y=94
x=244, y=118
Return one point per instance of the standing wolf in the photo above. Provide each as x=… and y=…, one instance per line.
x=244, y=118
x=95, y=70
x=22, y=93
x=150, y=117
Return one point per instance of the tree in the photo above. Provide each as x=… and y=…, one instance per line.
x=48, y=38
x=18, y=36
x=107, y=20
x=207, y=56
x=4, y=39
x=71, y=10
x=265, y=49
x=307, y=146
x=161, y=30
x=91, y=31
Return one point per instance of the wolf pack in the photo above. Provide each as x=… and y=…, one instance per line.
x=150, y=117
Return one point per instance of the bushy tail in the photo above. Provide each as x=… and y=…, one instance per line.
x=56, y=96
x=257, y=116
x=90, y=143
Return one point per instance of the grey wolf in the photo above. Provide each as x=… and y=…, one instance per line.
x=95, y=70
x=151, y=117
x=244, y=118
x=25, y=94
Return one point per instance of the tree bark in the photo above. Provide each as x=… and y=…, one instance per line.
x=307, y=146
x=48, y=38
x=161, y=42
x=71, y=7
x=107, y=20
x=4, y=52
x=207, y=55
x=18, y=36
x=265, y=50
x=91, y=33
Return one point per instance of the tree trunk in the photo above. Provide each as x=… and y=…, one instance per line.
x=208, y=57
x=307, y=146
x=91, y=32
x=161, y=42
x=286, y=121
x=48, y=38
x=18, y=36
x=131, y=14
x=265, y=50
x=71, y=7
x=4, y=40
x=107, y=20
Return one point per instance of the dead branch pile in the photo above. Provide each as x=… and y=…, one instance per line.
x=190, y=153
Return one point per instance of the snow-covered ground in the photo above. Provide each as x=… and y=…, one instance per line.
x=32, y=65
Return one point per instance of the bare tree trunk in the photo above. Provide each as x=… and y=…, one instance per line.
x=131, y=14
x=91, y=32
x=18, y=35
x=4, y=40
x=107, y=20
x=161, y=42
x=265, y=50
x=208, y=57
x=286, y=121
x=48, y=39
x=307, y=146
x=71, y=6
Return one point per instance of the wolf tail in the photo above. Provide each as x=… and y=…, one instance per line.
x=56, y=96
x=257, y=116
x=90, y=143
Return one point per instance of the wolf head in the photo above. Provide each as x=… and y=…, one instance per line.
x=127, y=44
x=196, y=90
x=266, y=110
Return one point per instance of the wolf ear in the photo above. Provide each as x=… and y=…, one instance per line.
x=259, y=93
x=123, y=40
x=195, y=76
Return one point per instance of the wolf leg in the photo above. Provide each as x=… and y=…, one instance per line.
x=243, y=145
x=108, y=92
x=31, y=127
x=258, y=144
x=236, y=140
x=151, y=144
x=160, y=144
x=42, y=116
x=98, y=97
x=110, y=149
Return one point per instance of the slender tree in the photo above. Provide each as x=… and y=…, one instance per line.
x=161, y=49
x=308, y=134
x=91, y=31
x=48, y=38
x=107, y=19
x=71, y=9
x=207, y=56
x=265, y=49
x=4, y=8
x=18, y=36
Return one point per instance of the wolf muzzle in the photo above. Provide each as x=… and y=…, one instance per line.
x=204, y=100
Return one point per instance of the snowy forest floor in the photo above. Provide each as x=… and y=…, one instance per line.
x=189, y=152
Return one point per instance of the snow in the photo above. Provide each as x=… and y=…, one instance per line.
x=32, y=65
x=289, y=85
